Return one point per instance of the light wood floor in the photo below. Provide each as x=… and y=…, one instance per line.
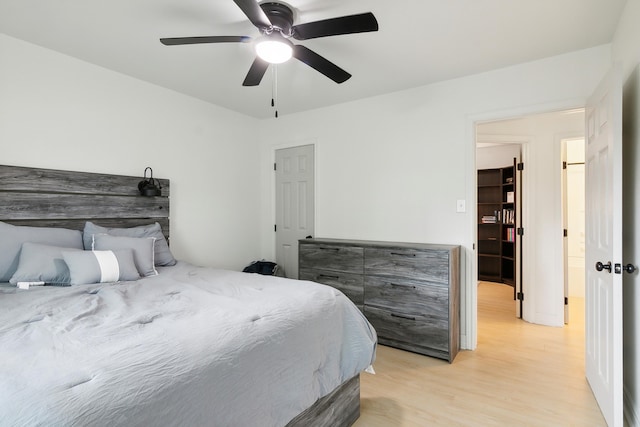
x=520, y=374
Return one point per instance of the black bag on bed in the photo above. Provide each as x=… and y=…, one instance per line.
x=266, y=268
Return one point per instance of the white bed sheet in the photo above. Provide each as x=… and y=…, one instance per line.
x=189, y=347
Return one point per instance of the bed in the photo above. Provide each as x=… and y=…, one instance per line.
x=186, y=346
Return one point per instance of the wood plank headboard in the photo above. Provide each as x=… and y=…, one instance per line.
x=56, y=198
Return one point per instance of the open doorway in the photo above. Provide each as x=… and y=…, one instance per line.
x=498, y=209
x=574, y=217
x=540, y=137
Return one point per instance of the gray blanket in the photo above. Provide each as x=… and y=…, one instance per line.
x=189, y=347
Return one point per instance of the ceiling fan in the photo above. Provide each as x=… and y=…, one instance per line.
x=275, y=22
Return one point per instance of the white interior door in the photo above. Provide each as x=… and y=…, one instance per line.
x=603, y=294
x=294, y=204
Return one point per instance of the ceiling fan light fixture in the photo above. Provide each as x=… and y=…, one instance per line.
x=274, y=50
x=274, y=21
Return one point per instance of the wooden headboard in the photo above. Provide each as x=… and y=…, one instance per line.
x=56, y=198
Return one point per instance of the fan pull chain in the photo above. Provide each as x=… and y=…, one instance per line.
x=274, y=88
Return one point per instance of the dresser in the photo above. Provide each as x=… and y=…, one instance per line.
x=410, y=292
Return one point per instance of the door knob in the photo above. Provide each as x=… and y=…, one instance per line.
x=629, y=268
x=600, y=266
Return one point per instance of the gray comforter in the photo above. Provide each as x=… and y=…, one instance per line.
x=189, y=347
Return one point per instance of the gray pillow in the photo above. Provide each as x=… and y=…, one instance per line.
x=88, y=267
x=12, y=237
x=163, y=255
x=142, y=248
x=42, y=263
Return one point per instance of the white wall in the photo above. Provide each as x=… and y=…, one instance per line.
x=61, y=113
x=392, y=167
x=496, y=156
x=625, y=48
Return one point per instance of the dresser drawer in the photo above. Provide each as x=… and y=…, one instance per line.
x=427, y=265
x=346, y=259
x=407, y=296
x=424, y=334
x=348, y=283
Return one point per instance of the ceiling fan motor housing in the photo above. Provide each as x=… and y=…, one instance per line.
x=280, y=15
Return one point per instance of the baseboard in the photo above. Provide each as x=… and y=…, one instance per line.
x=465, y=344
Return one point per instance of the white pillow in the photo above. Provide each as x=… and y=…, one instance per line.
x=88, y=267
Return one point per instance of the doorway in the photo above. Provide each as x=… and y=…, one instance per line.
x=540, y=136
x=574, y=219
x=499, y=215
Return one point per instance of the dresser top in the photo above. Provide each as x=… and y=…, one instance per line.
x=378, y=244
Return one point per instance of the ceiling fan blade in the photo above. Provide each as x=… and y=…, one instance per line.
x=256, y=72
x=361, y=23
x=320, y=64
x=172, y=41
x=254, y=12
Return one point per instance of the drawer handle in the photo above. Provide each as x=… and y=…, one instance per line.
x=399, y=285
x=403, y=317
x=326, y=276
x=329, y=249
x=404, y=255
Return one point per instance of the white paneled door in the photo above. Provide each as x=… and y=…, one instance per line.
x=603, y=293
x=294, y=204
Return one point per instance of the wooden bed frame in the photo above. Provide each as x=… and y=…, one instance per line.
x=55, y=198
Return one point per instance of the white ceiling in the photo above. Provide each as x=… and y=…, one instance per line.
x=419, y=42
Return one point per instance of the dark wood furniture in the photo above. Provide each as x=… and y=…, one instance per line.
x=497, y=216
x=409, y=292
x=56, y=198
x=340, y=408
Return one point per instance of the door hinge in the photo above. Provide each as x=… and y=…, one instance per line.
x=566, y=301
x=275, y=227
x=564, y=165
x=565, y=233
x=520, y=166
x=520, y=231
x=520, y=296
x=275, y=166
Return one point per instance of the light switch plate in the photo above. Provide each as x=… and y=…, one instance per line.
x=461, y=206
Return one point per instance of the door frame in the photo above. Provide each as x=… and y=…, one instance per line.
x=273, y=214
x=469, y=296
